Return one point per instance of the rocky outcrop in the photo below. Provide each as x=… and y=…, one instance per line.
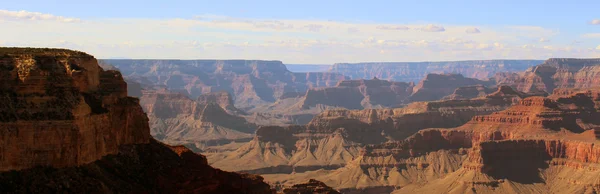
x=68, y=126
x=223, y=99
x=416, y=71
x=359, y=94
x=138, y=168
x=436, y=86
x=251, y=83
x=313, y=186
x=554, y=73
x=468, y=92
x=60, y=109
x=176, y=119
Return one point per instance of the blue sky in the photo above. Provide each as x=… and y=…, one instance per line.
x=308, y=31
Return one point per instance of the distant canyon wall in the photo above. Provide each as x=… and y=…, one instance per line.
x=415, y=71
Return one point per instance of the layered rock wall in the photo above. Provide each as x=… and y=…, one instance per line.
x=60, y=109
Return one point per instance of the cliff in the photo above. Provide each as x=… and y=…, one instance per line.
x=359, y=94
x=223, y=99
x=416, y=71
x=68, y=126
x=554, y=73
x=251, y=83
x=436, y=86
x=60, y=109
x=535, y=142
x=468, y=92
x=176, y=119
x=336, y=137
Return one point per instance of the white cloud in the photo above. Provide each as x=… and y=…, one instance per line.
x=498, y=45
x=314, y=27
x=591, y=35
x=595, y=22
x=472, y=31
x=392, y=27
x=433, y=28
x=543, y=40
x=26, y=15
x=455, y=40
x=598, y=47
x=292, y=41
x=353, y=30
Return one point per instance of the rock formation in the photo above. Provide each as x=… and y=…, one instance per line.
x=539, y=145
x=359, y=94
x=370, y=94
x=468, y=92
x=335, y=137
x=554, y=73
x=436, y=86
x=68, y=126
x=175, y=119
x=60, y=109
x=312, y=187
x=415, y=71
x=251, y=83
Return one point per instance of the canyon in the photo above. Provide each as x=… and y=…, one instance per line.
x=416, y=71
x=336, y=137
x=554, y=73
x=72, y=124
x=539, y=145
x=68, y=126
x=250, y=82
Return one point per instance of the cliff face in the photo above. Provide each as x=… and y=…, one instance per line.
x=468, y=92
x=359, y=94
x=251, y=83
x=223, y=99
x=68, y=126
x=335, y=137
x=534, y=141
x=178, y=120
x=436, y=86
x=415, y=71
x=60, y=109
x=375, y=93
x=555, y=73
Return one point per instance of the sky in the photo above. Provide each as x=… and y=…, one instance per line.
x=308, y=31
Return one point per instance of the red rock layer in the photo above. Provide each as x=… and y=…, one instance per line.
x=60, y=109
x=67, y=126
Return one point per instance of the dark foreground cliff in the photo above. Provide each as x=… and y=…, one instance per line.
x=139, y=168
x=68, y=126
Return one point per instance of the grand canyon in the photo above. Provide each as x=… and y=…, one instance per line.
x=299, y=97
x=73, y=124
